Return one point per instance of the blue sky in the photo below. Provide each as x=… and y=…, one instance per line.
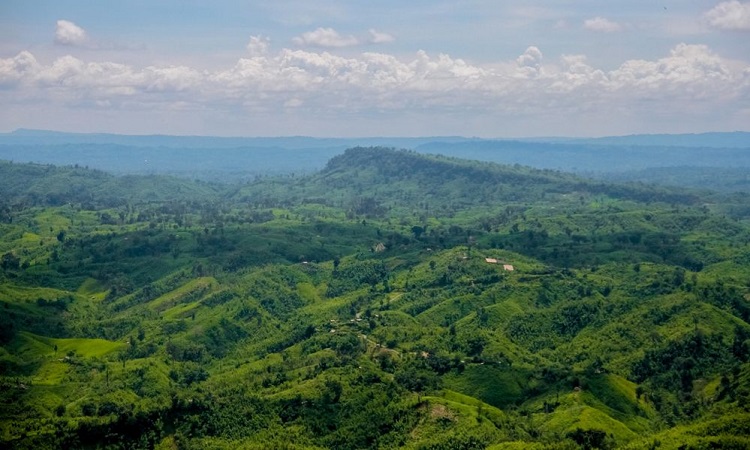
x=363, y=68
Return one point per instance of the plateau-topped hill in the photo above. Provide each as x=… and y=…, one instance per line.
x=381, y=166
x=406, y=179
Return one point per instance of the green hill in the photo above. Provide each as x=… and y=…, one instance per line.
x=391, y=300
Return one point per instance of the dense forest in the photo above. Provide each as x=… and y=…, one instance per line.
x=392, y=299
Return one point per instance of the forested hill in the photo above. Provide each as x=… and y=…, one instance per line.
x=396, y=178
x=392, y=172
x=47, y=185
x=377, y=178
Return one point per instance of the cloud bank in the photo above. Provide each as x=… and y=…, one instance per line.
x=691, y=81
x=379, y=80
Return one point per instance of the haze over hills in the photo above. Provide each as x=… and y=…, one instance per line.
x=44, y=137
x=736, y=139
x=237, y=158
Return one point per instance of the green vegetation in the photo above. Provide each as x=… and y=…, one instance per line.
x=391, y=300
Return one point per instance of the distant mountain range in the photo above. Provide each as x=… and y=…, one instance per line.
x=44, y=137
x=737, y=139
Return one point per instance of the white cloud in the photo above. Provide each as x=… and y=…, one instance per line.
x=169, y=79
x=377, y=37
x=532, y=57
x=21, y=67
x=530, y=63
x=258, y=45
x=68, y=33
x=601, y=24
x=689, y=72
x=325, y=37
x=731, y=15
x=691, y=79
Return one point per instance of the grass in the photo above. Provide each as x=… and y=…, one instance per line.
x=180, y=311
x=18, y=294
x=564, y=420
x=308, y=292
x=495, y=415
x=329, y=308
x=519, y=445
x=725, y=432
x=92, y=287
x=30, y=345
x=203, y=286
x=50, y=360
x=607, y=402
x=494, y=386
x=51, y=373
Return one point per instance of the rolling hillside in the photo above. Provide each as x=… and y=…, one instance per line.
x=390, y=300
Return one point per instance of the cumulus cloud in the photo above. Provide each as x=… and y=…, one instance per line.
x=23, y=66
x=258, y=45
x=68, y=33
x=532, y=57
x=530, y=63
x=377, y=37
x=690, y=79
x=731, y=15
x=690, y=71
x=602, y=25
x=325, y=37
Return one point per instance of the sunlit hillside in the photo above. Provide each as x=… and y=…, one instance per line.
x=390, y=300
